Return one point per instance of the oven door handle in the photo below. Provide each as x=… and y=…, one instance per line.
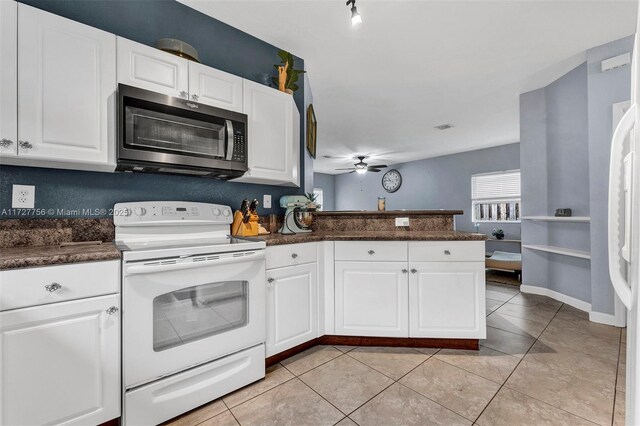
x=152, y=268
x=229, y=125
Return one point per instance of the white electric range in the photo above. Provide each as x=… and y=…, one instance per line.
x=193, y=307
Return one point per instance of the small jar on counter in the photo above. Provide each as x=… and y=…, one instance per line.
x=382, y=204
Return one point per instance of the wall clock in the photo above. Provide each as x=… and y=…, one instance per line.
x=391, y=180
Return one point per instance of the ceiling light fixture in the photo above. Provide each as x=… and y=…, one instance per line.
x=361, y=171
x=355, y=16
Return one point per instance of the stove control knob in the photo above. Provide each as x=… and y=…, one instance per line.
x=140, y=211
x=216, y=212
x=226, y=212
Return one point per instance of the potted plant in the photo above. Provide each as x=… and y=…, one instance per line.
x=498, y=233
x=311, y=205
x=287, y=75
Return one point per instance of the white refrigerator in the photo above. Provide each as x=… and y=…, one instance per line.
x=624, y=230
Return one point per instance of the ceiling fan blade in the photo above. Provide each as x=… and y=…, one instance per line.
x=379, y=166
x=353, y=171
x=369, y=169
x=349, y=168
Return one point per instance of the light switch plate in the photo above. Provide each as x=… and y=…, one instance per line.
x=23, y=197
x=402, y=221
x=266, y=201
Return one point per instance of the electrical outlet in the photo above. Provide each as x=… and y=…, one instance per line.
x=23, y=197
x=402, y=221
x=266, y=201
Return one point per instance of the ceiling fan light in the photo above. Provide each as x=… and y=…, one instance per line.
x=356, y=19
x=361, y=171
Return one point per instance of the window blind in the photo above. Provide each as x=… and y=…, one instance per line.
x=495, y=186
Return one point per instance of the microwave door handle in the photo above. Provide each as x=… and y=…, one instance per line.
x=229, y=126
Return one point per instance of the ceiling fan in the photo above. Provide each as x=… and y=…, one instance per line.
x=361, y=167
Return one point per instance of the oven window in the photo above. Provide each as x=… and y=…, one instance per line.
x=198, y=312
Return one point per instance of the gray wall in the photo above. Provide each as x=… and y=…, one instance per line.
x=435, y=183
x=605, y=89
x=220, y=46
x=328, y=185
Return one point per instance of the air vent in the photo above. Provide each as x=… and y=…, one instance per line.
x=444, y=126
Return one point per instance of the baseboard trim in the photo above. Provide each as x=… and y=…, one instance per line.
x=576, y=303
x=408, y=342
x=602, y=318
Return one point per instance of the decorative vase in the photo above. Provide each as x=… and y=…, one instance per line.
x=500, y=237
x=289, y=91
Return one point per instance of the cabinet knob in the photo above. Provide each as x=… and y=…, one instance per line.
x=447, y=252
x=112, y=310
x=371, y=252
x=52, y=287
x=194, y=97
x=413, y=270
x=294, y=255
x=404, y=271
x=184, y=95
x=5, y=143
x=25, y=144
x=270, y=280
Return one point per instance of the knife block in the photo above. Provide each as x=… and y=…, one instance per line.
x=241, y=229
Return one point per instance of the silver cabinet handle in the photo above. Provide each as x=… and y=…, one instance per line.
x=270, y=280
x=112, y=310
x=52, y=287
x=371, y=252
x=25, y=144
x=404, y=271
x=413, y=270
x=194, y=97
x=184, y=95
x=294, y=255
x=447, y=252
x=5, y=143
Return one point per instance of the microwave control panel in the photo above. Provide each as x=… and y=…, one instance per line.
x=239, y=147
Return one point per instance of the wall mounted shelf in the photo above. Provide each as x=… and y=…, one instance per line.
x=559, y=250
x=577, y=219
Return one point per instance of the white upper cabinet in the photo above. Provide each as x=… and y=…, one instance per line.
x=274, y=136
x=446, y=299
x=61, y=363
x=66, y=91
x=214, y=87
x=152, y=69
x=9, y=78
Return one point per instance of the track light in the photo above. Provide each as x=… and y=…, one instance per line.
x=355, y=16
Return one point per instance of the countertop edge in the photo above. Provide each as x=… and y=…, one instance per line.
x=390, y=213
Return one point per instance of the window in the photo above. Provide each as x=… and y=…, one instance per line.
x=319, y=199
x=495, y=197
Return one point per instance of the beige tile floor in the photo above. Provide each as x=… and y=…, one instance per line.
x=542, y=363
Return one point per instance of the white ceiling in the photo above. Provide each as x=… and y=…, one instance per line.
x=380, y=88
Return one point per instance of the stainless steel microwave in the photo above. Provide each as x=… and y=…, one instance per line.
x=163, y=134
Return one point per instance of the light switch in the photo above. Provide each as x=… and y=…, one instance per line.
x=266, y=201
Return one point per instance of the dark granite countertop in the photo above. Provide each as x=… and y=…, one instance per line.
x=33, y=256
x=389, y=212
x=279, y=239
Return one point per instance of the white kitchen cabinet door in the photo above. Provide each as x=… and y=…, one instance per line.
x=60, y=363
x=292, y=307
x=274, y=136
x=9, y=78
x=66, y=90
x=152, y=69
x=446, y=299
x=214, y=87
x=371, y=299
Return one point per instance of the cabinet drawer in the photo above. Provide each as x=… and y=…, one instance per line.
x=446, y=251
x=291, y=254
x=37, y=286
x=377, y=251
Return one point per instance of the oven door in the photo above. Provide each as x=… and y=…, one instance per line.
x=178, y=314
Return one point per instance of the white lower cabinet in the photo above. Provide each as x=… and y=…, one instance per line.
x=446, y=300
x=371, y=299
x=292, y=307
x=60, y=363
